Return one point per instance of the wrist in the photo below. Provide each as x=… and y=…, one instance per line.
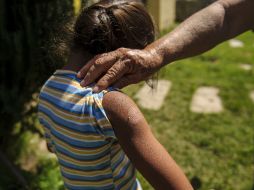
x=155, y=57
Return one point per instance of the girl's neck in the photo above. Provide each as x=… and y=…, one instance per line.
x=77, y=60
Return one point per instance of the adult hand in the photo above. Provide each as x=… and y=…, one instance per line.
x=120, y=68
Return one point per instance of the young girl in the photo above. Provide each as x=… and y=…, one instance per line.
x=100, y=138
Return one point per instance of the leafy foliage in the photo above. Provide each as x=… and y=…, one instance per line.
x=26, y=30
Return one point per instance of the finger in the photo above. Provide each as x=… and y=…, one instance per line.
x=125, y=81
x=96, y=71
x=100, y=66
x=114, y=73
x=84, y=70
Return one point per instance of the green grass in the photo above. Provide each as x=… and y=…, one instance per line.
x=215, y=151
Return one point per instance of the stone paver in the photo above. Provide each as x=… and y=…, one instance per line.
x=234, y=43
x=206, y=100
x=252, y=96
x=153, y=98
x=246, y=67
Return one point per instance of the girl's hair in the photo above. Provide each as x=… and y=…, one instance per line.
x=111, y=24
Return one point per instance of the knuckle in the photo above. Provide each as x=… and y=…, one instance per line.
x=122, y=49
x=127, y=63
x=112, y=72
x=133, y=52
x=97, y=57
x=104, y=54
x=121, y=52
x=96, y=63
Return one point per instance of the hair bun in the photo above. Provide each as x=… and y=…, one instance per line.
x=111, y=24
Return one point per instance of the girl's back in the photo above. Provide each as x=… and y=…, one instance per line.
x=79, y=133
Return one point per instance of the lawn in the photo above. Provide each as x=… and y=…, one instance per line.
x=216, y=151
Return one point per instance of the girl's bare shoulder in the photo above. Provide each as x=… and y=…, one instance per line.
x=121, y=109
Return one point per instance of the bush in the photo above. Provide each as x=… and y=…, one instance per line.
x=26, y=30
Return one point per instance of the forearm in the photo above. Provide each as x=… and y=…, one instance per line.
x=155, y=164
x=202, y=31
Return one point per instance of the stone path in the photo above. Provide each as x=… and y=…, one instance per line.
x=206, y=100
x=234, y=43
x=252, y=96
x=245, y=66
x=153, y=98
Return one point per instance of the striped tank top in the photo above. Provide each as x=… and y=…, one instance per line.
x=78, y=131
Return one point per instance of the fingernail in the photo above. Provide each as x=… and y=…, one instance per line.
x=83, y=83
x=96, y=89
x=79, y=75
